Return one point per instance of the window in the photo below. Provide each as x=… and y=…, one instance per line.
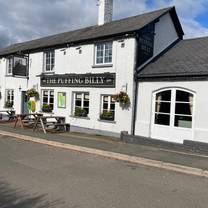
x=9, y=98
x=48, y=98
x=174, y=108
x=81, y=104
x=183, y=109
x=107, y=108
x=49, y=58
x=9, y=66
x=104, y=53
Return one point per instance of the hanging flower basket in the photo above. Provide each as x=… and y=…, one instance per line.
x=122, y=98
x=32, y=93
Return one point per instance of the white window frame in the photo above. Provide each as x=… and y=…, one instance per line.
x=49, y=96
x=109, y=104
x=51, y=65
x=82, y=100
x=104, y=53
x=9, y=66
x=172, y=108
x=11, y=91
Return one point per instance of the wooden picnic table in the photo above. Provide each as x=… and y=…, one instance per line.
x=26, y=118
x=10, y=112
x=57, y=124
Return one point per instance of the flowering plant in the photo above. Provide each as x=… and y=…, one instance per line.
x=32, y=93
x=122, y=98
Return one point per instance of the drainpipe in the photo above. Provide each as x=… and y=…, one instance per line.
x=135, y=92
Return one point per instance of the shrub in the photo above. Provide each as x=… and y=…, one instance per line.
x=46, y=108
x=8, y=104
x=80, y=112
x=107, y=115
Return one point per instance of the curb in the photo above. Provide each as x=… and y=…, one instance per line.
x=113, y=155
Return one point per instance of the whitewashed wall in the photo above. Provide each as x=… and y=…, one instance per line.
x=73, y=62
x=144, y=108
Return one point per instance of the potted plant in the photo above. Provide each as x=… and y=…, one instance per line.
x=32, y=93
x=46, y=108
x=8, y=104
x=122, y=98
x=80, y=112
x=107, y=115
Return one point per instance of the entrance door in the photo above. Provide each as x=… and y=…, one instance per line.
x=24, y=103
x=172, y=118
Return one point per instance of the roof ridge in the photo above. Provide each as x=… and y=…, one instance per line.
x=195, y=38
x=88, y=27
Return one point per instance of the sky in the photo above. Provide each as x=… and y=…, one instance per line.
x=22, y=20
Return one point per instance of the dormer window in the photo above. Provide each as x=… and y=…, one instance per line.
x=49, y=59
x=103, y=53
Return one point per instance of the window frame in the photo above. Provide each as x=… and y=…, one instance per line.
x=109, y=105
x=173, y=103
x=49, y=97
x=11, y=96
x=51, y=64
x=82, y=102
x=104, y=53
x=10, y=63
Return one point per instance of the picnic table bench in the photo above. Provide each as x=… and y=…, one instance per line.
x=57, y=123
x=9, y=112
x=22, y=119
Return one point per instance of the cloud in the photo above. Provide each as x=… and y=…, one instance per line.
x=28, y=19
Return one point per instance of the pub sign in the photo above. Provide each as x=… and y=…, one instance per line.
x=105, y=80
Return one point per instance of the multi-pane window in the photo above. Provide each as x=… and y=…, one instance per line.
x=48, y=98
x=162, y=108
x=174, y=108
x=49, y=57
x=107, y=108
x=9, y=66
x=9, y=98
x=104, y=53
x=183, y=109
x=81, y=104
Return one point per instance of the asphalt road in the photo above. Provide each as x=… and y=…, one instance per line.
x=38, y=176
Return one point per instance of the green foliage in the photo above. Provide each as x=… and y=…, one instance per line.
x=32, y=93
x=80, y=112
x=107, y=115
x=122, y=98
x=8, y=104
x=46, y=108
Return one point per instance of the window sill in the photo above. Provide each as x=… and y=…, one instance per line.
x=79, y=117
x=48, y=73
x=16, y=76
x=107, y=121
x=46, y=112
x=102, y=65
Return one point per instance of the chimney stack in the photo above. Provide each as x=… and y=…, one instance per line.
x=105, y=13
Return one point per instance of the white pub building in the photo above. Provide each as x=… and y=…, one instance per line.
x=159, y=79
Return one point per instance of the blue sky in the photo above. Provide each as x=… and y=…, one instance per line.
x=24, y=20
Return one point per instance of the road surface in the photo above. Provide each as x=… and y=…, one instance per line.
x=39, y=176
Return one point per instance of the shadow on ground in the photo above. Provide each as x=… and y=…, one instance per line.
x=17, y=198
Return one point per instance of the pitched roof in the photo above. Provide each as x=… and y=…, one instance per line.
x=118, y=27
x=187, y=58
